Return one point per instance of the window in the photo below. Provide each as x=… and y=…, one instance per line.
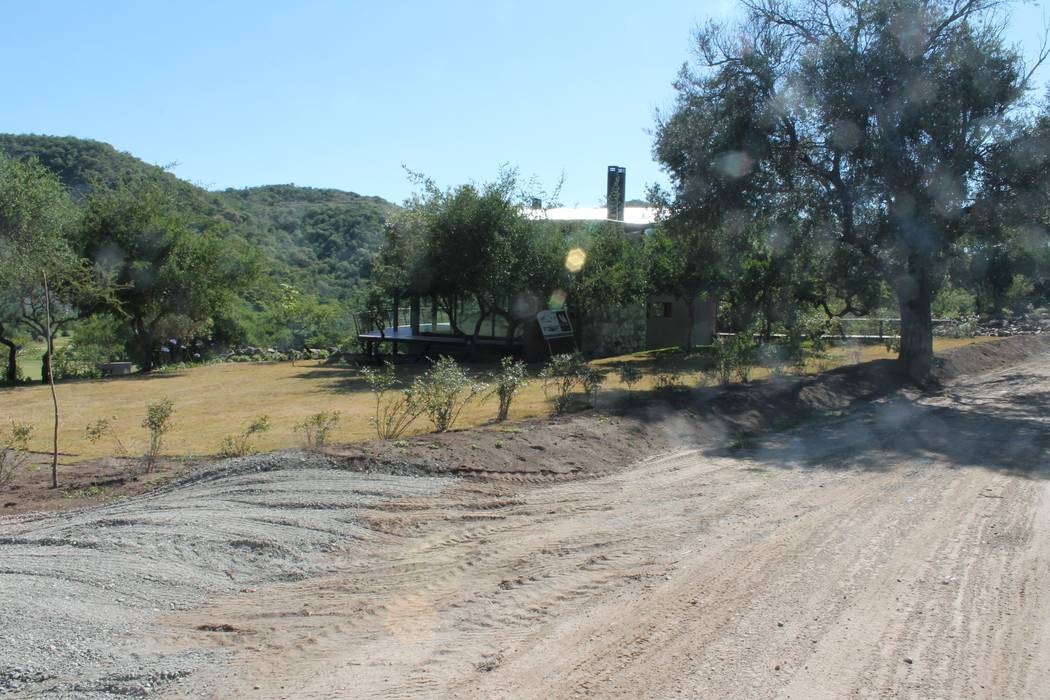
x=661, y=309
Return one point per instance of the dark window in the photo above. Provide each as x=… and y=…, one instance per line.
x=660, y=309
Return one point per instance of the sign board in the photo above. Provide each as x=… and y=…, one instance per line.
x=554, y=324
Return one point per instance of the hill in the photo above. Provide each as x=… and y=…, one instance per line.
x=321, y=240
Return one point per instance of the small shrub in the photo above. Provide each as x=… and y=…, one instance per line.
x=317, y=428
x=559, y=377
x=591, y=379
x=774, y=357
x=240, y=444
x=735, y=357
x=103, y=428
x=668, y=380
x=630, y=375
x=158, y=422
x=14, y=450
x=395, y=410
x=511, y=379
x=444, y=391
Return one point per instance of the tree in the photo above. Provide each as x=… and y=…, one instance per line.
x=610, y=271
x=174, y=274
x=35, y=217
x=872, y=125
x=469, y=242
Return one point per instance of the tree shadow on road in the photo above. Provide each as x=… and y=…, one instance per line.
x=1003, y=433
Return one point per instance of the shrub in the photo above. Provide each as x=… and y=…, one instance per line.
x=1018, y=295
x=776, y=357
x=14, y=450
x=953, y=303
x=443, y=392
x=158, y=422
x=511, y=379
x=241, y=444
x=78, y=362
x=630, y=375
x=393, y=414
x=735, y=356
x=317, y=428
x=591, y=379
x=102, y=428
x=668, y=380
x=559, y=377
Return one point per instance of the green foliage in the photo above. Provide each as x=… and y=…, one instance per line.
x=1018, y=294
x=174, y=275
x=240, y=444
x=735, y=356
x=472, y=243
x=629, y=375
x=317, y=428
x=299, y=320
x=668, y=380
x=443, y=391
x=511, y=379
x=158, y=423
x=560, y=376
x=103, y=428
x=807, y=140
x=395, y=410
x=313, y=239
x=613, y=272
x=953, y=303
x=14, y=450
x=591, y=380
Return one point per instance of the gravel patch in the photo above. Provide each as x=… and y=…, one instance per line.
x=82, y=590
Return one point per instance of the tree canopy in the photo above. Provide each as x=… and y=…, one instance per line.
x=872, y=137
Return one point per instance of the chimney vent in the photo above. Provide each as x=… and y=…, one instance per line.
x=614, y=192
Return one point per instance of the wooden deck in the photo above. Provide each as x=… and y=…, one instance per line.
x=404, y=334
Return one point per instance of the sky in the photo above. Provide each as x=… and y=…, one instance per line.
x=348, y=94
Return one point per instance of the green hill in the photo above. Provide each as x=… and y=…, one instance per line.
x=321, y=240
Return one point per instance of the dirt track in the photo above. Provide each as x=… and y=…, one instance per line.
x=900, y=550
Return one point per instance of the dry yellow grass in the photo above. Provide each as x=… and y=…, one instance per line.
x=214, y=401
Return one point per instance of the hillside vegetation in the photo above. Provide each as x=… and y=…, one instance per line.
x=320, y=240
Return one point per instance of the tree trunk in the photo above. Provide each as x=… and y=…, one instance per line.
x=690, y=305
x=915, y=296
x=45, y=364
x=51, y=381
x=11, y=375
x=145, y=343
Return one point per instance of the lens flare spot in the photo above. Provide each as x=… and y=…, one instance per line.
x=575, y=260
x=557, y=299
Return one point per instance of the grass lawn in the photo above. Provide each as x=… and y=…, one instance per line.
x=29, y=360
x=214, y=401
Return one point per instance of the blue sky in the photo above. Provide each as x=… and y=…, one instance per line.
x=342, y=94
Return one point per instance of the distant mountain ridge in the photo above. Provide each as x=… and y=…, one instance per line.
x=322, y=240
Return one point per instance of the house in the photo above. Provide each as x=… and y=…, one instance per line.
x=662, y=321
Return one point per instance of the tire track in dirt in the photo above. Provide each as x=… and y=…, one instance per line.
x=694, y=574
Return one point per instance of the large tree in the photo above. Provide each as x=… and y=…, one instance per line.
x=872, y=125
x=174, y=274
x=470, y=242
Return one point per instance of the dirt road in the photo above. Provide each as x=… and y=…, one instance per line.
x=902, y=550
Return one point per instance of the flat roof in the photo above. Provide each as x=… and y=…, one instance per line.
x=635, y=216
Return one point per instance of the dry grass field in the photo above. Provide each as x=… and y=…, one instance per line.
x=214, y=401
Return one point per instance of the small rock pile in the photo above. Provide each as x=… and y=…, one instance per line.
x=254, y=354
x=1031, y=324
